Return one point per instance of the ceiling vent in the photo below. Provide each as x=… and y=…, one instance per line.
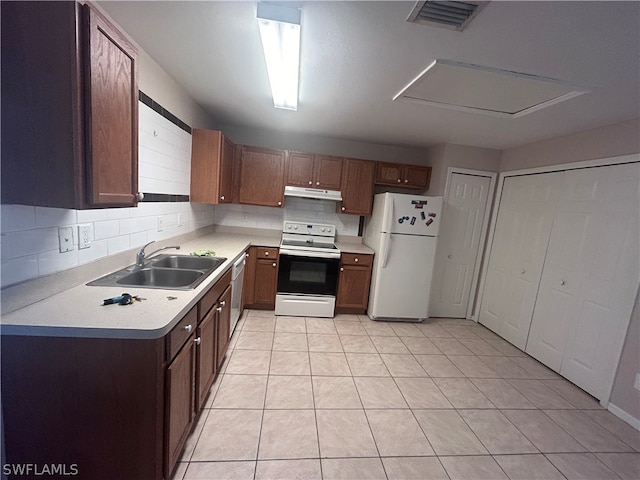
x=492, y=91
x=451, y=15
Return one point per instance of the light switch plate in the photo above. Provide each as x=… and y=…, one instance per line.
x=65, y=237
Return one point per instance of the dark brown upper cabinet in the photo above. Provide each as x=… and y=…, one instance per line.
x=313, y=171
x=261, y=176
x=402, y=175
x=69, y=107
x=212, y=157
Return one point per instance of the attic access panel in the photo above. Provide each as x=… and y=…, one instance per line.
x=492, y=91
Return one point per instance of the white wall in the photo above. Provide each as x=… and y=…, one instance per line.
x=449, y=155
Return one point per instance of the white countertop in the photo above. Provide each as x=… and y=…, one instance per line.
x=78, y=312
x=353, y=247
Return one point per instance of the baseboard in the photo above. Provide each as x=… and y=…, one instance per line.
x=622, y=415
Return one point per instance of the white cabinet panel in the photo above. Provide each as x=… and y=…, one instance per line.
x=517, y=255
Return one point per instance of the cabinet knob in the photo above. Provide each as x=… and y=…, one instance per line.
x=343, y=208
x=218, y=309
x=221, y=197
x=223, y=303
x=188, y=328
x=406, y=181
x=273, y=264
x=310, y=182
x=140, y=196
x=342, y=269
x=356, y=260
x=197, y=340
x=266, y=254
x=317, y=183
x=399, y=181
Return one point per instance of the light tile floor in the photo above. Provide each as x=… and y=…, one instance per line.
x=350, y=398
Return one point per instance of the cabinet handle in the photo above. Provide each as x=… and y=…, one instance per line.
x=399, y=181
x=317, y=183
x=188, y=328
x=279, y=203
x=406, y=181
x=140, y=196
x=342, y=269
x=266, y=254
x=221, y=197
x=310, y=182
x=218, y=309
x=197, y=340
x=273, y=264
x=223, y=303
x=356, y=260
x=343, y=208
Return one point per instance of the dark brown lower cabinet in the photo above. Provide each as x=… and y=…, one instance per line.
x=112, y=408
x=179, y=411
x=353, y=283
x=261, y=278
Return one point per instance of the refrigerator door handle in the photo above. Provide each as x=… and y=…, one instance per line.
x=388, y=215
x=386, y=248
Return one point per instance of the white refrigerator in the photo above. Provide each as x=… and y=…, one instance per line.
x=403, y=231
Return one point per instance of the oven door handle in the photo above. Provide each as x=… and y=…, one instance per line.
x=302, y=253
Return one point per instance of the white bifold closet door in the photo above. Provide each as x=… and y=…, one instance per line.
x=519, y=246
x=460, y=234
x=590, y=276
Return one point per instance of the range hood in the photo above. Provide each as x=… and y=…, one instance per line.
x=315, y=193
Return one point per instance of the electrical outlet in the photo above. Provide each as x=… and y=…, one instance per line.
x=84, y=235
x=160, y=224
x=65, y=237
x=637, y=384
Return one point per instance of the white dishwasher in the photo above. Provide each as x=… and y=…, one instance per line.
x=237, y=278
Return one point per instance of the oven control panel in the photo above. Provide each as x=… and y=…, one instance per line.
x=304, y=228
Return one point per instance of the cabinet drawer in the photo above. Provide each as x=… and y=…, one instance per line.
x=356, y=259
x=180, y=333
x=211, y=297
x=265, y=252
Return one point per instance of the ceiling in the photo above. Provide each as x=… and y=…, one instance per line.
x=356, y=56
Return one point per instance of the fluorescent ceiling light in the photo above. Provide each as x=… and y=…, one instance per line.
x=280, y=33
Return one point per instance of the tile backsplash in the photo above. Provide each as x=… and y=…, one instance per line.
x=296, y=209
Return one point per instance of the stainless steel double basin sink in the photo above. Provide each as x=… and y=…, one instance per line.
x=171, y=272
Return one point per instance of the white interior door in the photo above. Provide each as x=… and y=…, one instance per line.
x=590, y=276
x=523, y=226
x=460, y=234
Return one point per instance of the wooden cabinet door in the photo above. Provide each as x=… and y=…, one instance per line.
x=416, y=176
x=327, y=172
x=111, y=113
x=223, y=311
x=353, y=283
x=266, y=283
x=225, y=178
x=179, y=414
x=262, y=176
x=206, y=359
x=300, y=169
x=357, y=186
x=389, y=173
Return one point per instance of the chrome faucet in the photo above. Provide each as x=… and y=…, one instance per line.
x=140, y=256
